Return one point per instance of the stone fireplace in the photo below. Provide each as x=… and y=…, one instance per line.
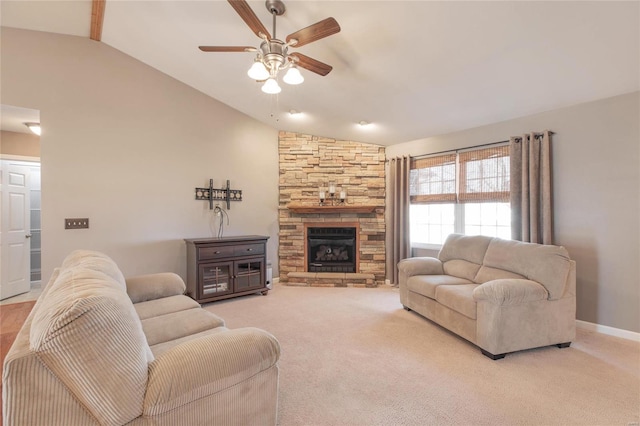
x=346, y=244
x=331, y=247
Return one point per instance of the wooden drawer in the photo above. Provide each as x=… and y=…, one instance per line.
x=249, y=249
x=219, y=252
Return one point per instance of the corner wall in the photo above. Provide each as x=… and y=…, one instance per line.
x=596, y=181
x=126, y=145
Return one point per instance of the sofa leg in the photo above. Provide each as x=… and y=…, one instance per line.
x=406, y=309
x=564, y=345
x=492, y=356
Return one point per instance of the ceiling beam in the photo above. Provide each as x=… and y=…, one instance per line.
x=97, y=18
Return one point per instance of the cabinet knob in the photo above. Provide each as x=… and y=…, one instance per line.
x=249, y=249
x=216, y=252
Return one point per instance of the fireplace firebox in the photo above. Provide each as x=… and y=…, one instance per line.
x=331, y=249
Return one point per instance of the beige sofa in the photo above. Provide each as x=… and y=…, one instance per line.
x=101, y=350
x=500, y=295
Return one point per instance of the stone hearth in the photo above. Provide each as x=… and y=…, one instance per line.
x=306, y=162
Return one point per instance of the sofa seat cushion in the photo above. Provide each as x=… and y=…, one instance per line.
x=163, y=347
x=179, y=324
x=165, y=305
x=426, y=285
x=459, y=298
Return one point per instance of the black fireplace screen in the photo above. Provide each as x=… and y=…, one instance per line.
x=331, y=249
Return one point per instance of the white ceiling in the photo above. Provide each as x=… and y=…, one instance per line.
x=413, y=68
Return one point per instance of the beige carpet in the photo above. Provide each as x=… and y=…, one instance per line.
x=353, y=356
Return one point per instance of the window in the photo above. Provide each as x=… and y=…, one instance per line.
x=491, y=219
x=431, y=223
x=465, y=192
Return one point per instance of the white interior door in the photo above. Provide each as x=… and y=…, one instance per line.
x=14, y=232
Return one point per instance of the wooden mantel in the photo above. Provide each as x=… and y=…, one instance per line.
x=340, y=208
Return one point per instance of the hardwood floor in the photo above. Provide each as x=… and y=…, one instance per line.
x=11, y=319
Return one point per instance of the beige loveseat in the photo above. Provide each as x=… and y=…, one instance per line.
x=99, y=349
x=501, y=295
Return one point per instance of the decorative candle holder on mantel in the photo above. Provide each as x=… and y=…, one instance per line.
x=333, y=200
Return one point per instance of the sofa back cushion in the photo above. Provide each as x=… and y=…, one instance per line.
x=462, y=255
x=487, y=273
x=461, y=268
x=546, y=264
x=471, y=248
x=86, y=331
x=95, y=261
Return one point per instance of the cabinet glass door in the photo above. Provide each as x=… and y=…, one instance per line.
x=216, y=279
x=249, y=274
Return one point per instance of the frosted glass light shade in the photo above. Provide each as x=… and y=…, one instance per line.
x=258, y=71
x=271, y=87
x=34, y=127
x=293, y=76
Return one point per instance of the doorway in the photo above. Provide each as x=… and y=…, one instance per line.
x=20, y=184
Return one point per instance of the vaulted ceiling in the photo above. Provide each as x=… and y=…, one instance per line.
x=413, y=69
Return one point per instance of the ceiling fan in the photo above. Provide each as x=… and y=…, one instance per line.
x=273, y=54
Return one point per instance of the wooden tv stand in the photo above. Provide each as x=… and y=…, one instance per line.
x=221, y=268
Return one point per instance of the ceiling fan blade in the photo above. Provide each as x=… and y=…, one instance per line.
x=311, y=64
x=314, y=32
x=249, y=17
x=227, y=48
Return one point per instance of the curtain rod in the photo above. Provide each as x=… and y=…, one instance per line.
x=457, y=150
x=471, y=147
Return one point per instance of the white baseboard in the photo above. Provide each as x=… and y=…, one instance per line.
x=611, y=331
x=276, y=280
x=387, y=282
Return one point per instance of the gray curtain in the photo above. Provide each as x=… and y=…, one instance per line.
x=398, y=214
x=531, y=197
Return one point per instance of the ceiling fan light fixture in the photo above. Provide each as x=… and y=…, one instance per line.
x=34, y=127
x=258, y=71
x=271, y=86
x=293, y=76
x=273, y=55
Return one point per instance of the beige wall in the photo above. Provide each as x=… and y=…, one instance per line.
x=23, y=144
x=126, y=145
x=596, y=164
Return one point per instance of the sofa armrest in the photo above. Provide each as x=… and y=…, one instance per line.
x=420, y=266
x=510, y=291
x=207, y=365
x=154, y=286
